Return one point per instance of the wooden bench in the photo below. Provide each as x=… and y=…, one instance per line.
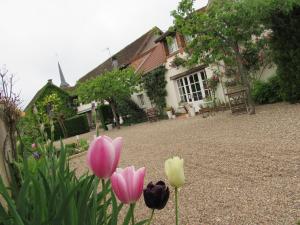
x=152, y=115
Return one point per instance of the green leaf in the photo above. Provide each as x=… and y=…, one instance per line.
x=11, y=206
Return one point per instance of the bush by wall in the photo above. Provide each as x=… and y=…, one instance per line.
x=155, y=84
x=266, y=92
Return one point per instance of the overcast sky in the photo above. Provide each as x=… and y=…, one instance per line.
x=35, y=34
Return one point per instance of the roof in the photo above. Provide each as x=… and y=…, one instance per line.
x=125, y=56
x=40, y=92
x=150, y=60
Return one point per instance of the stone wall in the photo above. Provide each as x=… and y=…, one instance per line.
x=5, y=152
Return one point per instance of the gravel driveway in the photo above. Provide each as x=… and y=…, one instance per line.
x=239, y=169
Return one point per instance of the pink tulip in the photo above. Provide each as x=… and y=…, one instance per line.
x=103, y=156
x=33, y=145
x=128, y=184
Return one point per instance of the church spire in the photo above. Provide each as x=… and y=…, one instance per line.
x=63, y=82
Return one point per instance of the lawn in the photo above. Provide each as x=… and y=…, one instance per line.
x=239, y=169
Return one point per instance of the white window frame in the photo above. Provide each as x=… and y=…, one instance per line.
x=188, y=87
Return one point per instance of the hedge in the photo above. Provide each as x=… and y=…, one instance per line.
x=266, y=92
x=74, y=126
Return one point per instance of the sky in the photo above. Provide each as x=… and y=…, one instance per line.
x=36, y=34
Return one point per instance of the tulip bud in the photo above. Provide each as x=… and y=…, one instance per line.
x=174, y=171
x=156, y=196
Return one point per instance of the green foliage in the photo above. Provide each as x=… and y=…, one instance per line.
x=60, y=102
x=74, y=126
x=178, y=61
x=267, y=92
x=155, y=83
x=105, y=115
x=286, y=49
x=221, y=30
x=112, y=85
x=131, y=112
x=28, y=127
x=52, y=194
x=282, y=18
x=74, y=148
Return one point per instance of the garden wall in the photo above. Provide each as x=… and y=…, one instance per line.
x=3, y=144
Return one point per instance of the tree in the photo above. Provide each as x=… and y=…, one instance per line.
x=282, y=18
x=225, y=34
x=112, y=86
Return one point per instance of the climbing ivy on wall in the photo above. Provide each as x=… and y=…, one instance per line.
x=155, y=83
x=59, y=102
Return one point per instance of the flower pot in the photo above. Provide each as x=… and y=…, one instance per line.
x=192, y=112
x=109, y=126
x=170, y=114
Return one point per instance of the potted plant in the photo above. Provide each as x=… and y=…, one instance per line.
x=169, y=111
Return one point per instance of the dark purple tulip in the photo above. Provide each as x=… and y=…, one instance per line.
x=156, y=195
x=36, y=155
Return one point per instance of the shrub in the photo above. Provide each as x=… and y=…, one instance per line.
x=105, y=115
x=266, y=92
x=128, y=107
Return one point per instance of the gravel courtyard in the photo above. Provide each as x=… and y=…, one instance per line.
x=239, y=169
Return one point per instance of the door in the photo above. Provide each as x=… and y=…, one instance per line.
x=193, y=88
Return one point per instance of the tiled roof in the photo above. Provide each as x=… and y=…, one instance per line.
x=126, y=55
x=152, y=59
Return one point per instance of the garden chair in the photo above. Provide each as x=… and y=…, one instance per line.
x=238, y=101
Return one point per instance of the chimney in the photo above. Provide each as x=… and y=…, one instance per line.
x=50, y=81
x=114, y=62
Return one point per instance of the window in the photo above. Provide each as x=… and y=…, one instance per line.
x=172, y=44
x=193, y=87
x=141, y=99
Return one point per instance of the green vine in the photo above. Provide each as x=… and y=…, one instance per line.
x=155, y=85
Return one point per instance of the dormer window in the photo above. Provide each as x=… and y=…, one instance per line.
x=172, y=44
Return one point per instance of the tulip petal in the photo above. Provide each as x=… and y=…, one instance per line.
x=101, y=157
x=117, y=143
x=138, y=183
x=119, y=187
x=107, y=138
x=128, y=174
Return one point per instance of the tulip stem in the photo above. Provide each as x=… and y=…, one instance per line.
x=132, y=212
x=104, y=198
x=151, y=217
x=176, y=204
